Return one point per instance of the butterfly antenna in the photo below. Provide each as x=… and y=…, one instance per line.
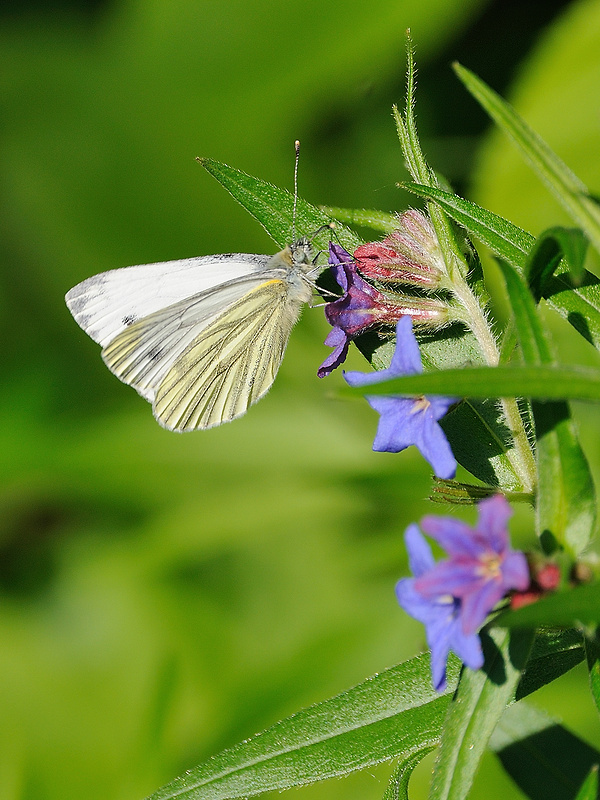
x=297, y=148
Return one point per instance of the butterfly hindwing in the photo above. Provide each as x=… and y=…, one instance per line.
x=232, y=363
x=142, y=354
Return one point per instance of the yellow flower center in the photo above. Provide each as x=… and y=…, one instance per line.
x=421, y=404
x=490, y=565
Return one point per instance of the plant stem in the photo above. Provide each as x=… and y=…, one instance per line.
x=521, y=455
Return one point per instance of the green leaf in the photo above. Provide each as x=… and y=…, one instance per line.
x=476, y=707
x=394, y=714
x=379, y=221
x=501, y=236
x=547, y=253
x=566, y=502
x=554, y=652
x=530, y=333
x=569, y=607
x=273, y=208
x=484, y=451
x=566, y=187
x=566, y=505
x=578, y=304
x=546, y=761
x=589, y=788
x=592, y=651
x=545, y=382
x=397, y=788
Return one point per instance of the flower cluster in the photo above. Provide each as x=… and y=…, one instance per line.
x=453, y=597
x=409, y=255
x=362, y=305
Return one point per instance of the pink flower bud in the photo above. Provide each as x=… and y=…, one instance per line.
x=409, y=255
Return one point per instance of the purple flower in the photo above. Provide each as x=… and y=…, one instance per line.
x=441, y=613
x=362, y=305
x=358, y=308
x=482, y=567
x=408, y=420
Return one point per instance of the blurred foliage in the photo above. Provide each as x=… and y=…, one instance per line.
x=163, y=596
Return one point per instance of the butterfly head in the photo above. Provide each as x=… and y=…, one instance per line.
x=301, y=251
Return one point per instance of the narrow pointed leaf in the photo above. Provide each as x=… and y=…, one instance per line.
x=566, y=502
x=530, y=333
x=546, y=382
x=273, y=208
x=379, y=221
x=395, y=714
x=578, y=304
x=476, y=707
x=569, y=607
x=547, y=253
x=543, y=758
x=568, y=189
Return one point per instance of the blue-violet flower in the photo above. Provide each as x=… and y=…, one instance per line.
x=439, y=613
x=408, y=420
x=482, y=567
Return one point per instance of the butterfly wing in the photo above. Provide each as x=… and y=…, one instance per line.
x=108, y=303
x=232, y=363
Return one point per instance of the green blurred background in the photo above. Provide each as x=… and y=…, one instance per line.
x=164, y=596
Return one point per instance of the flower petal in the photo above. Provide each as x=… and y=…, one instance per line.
x=407, y=356
x=337, y=339
x=431, y=442
x=448, y=577
x=494, y=513
x=477, y=605
x=515, y=572
x=420, y=557
x=417, y=606
x=467, y=648
x=455, y=536
x=438, y=639
x=337, y=258
x=394, y=431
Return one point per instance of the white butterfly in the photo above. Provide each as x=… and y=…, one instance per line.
x=201, y=338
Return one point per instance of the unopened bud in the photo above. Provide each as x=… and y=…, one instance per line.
x=411, y=254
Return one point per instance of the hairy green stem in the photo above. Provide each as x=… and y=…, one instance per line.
x=521, y=455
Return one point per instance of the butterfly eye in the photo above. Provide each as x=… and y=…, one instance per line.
x=301, y=251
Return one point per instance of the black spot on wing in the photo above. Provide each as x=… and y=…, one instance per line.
x=129, y=319
x=154, y=353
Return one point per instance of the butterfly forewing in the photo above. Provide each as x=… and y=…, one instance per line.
x=201, y=338
x=232, y=363
x=108, y=303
